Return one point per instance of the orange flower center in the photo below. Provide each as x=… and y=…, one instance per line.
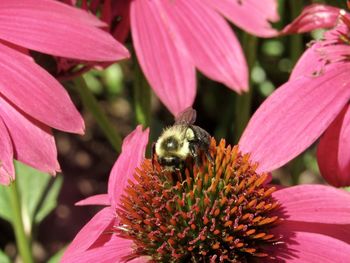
x=218, y=212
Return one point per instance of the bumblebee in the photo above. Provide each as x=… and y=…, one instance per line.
x=182, y=140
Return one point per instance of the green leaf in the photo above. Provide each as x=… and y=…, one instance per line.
x=5, y=208
x=57, y=257
x=347, y=188
x=4, y=258
x=50, y=200
x=38, y=192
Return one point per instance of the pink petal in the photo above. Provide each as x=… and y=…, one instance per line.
x=311, y=63
x=341, y=232
x=113, y=251
x=102, y=199
x=57, y=29
x=316, y=59
x=314, y=203
x=98, y=226
x=140, y=260
x=49, y=102
x=303, y=247
x=162, y=56
x=313, y=17
x=294, y=116
x=210, y=40
x=250, y=15
x=333, y=153
x=7, y=170
x=33, y=143
x=133, y=152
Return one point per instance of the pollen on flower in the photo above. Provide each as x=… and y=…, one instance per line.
x=221, y=211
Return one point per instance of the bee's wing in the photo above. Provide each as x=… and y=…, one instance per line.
x=186, y=117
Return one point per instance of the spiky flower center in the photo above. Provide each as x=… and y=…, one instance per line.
x=218, y=212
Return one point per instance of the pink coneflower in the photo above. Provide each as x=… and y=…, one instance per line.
x=219, y=212
x=173, y=38
x=313, y=102
x=32, y=101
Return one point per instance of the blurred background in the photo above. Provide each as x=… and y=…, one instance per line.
x=86, y=160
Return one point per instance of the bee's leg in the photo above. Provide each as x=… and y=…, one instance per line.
x=205, y=148
x=194, y=150
x=153, y=150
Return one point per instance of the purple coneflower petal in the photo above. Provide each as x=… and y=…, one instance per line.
x=37, y=93
x=162, y=56
x=133, y=152
x=314, y=203
x=101, y=224
x=102, y=199
x=212, y=44
x=341, y=232
x=33, y=143
x=333, y=153
x=57, y=29
x=310, y=63
x=7, y=171
x=313, y=17
x=304, y=247
x=250, y=15
x=294, y=116
x=114, y=250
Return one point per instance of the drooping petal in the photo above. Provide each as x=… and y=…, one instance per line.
x=250, y=15
x=7, y=170
x=36, y=92
x=314, y=203
x=304, y=247
x=133, y=152
x=113, y=251
x=333, y=152
x=162, y=56
x=102, y=199
x=313, y=17
x=33, y=143
x=294, y=116
x=57, y=29
x=101, y=224
x=211, y=42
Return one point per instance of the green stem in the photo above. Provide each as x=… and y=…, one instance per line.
x=296, y=167
x=23, y=242
x=296, y=40
x=91, y=103
x=243, y=102
x=142, y=97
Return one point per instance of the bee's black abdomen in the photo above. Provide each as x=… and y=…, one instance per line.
x=170, y=161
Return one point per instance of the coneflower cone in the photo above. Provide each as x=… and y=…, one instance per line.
x=218, y=211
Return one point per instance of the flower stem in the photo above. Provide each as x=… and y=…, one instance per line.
x=23, y=242
x=243, y=102
x=142, y=97
x=91, y=103
x=296, y=40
